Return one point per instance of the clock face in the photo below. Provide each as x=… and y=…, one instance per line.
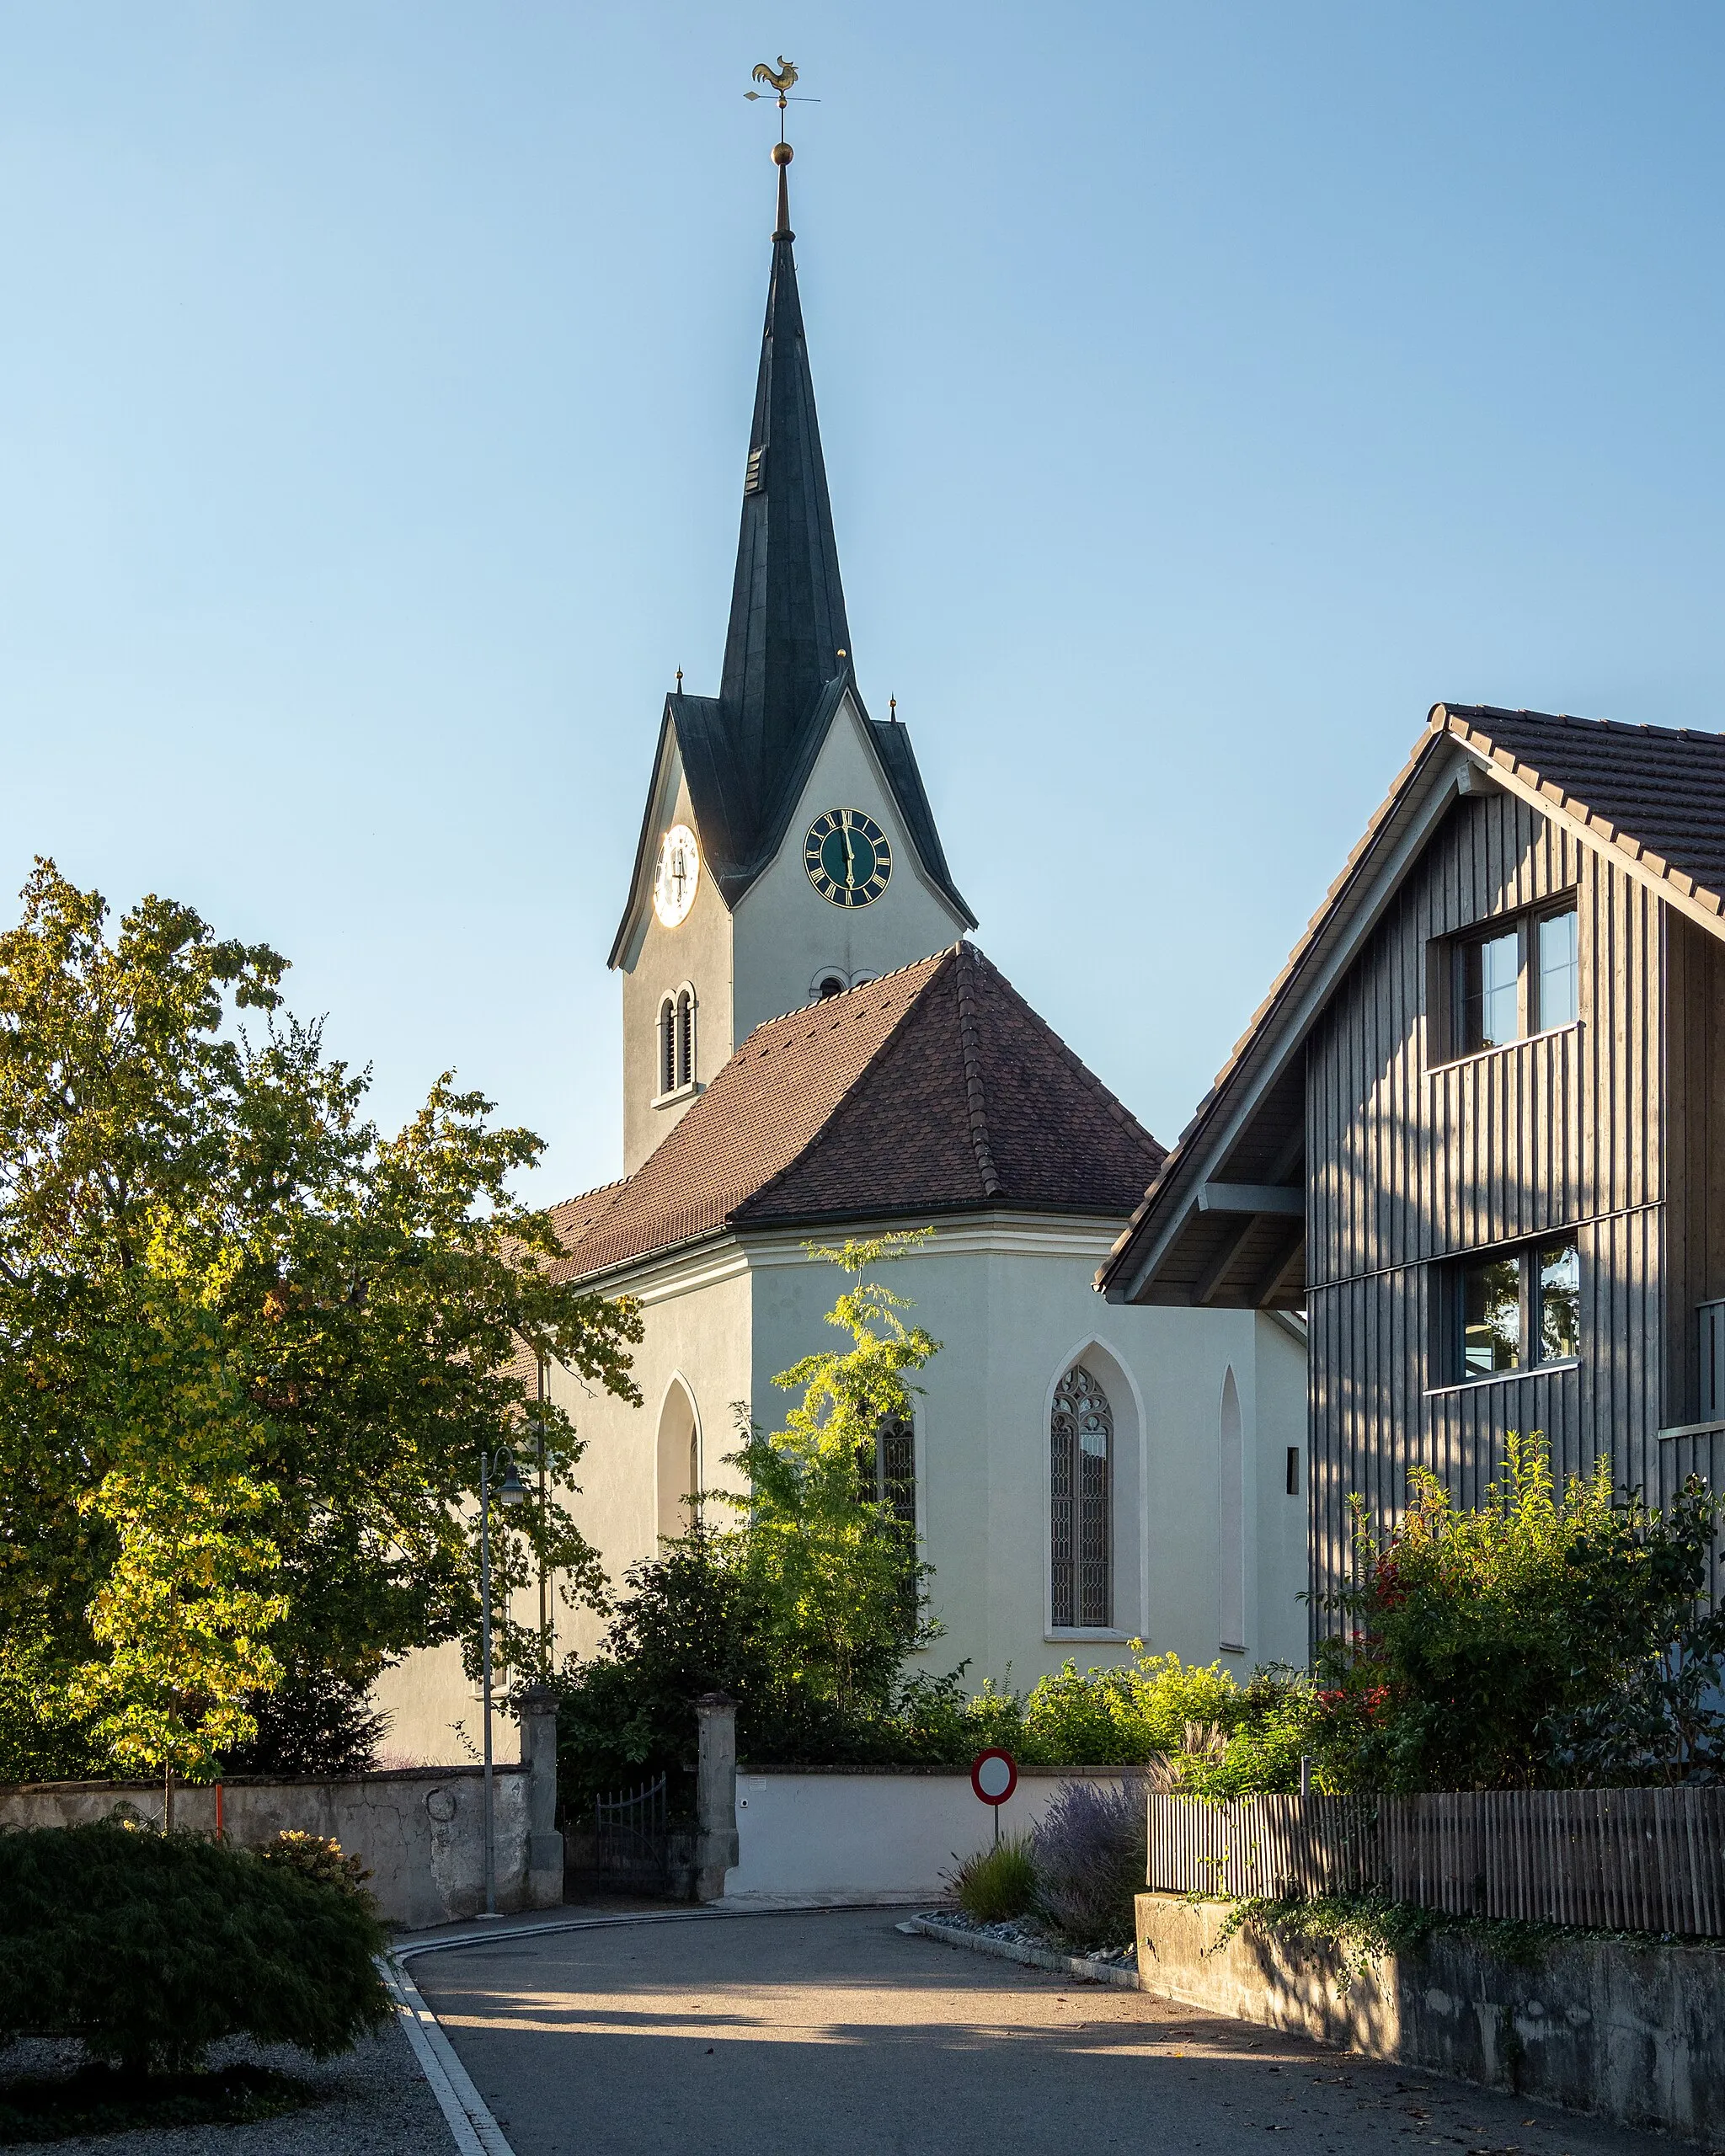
x=679, y=873
x=848, y=856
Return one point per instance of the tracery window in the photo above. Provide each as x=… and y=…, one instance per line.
x=1080, y=1510
x=886, y=1471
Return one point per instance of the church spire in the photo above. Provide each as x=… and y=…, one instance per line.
x=787, y=636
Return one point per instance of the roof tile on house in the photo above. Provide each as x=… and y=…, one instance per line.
x=934, y=1090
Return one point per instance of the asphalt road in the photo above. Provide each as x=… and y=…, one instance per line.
x=754, y=2036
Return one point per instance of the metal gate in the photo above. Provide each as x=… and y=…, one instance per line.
x=632, y=1836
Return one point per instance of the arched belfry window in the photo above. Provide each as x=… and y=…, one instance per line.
x=676, y=1041
x=1081, y=1509
x=685, y=1037
x=667, y=1045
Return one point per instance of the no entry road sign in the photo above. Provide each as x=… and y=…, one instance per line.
x=994, y=1775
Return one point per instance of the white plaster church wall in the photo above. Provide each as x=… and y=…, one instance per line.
x=785, y=932
x=1012, y=1320
x=1012, y=1304
x=698, y=950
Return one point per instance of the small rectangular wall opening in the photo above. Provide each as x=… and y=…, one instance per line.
x=1293, y=1470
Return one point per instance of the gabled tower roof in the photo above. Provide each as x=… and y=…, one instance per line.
x=787, y=637
x=747, y=753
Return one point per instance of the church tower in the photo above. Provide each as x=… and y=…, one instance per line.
x=788, y=850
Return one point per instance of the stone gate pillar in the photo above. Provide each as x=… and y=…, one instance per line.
x=716, y=1851
x=536, y=1707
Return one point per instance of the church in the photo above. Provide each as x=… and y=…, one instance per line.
x=814, y=1048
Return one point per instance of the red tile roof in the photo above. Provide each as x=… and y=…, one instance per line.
x=931, y=1090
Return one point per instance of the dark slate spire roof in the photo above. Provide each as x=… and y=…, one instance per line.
x=748, y=751
x=933, y=1091
x=787, y=636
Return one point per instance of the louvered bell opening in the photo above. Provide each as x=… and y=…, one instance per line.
x=686, y=1039
x=755, y=478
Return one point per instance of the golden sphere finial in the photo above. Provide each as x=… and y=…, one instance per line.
x=783, y=153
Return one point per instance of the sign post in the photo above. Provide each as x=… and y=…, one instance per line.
x=994, y=1775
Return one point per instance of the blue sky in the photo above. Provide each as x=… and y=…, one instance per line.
x=1206, y=391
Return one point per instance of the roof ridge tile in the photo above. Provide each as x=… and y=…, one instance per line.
x=976, y=1099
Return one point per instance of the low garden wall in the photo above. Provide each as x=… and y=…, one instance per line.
x=874, y=1835
x=1630, y=2028
x=418, y=1830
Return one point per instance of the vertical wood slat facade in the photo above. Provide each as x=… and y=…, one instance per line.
x=1413, y=1160
x=1644, y=1859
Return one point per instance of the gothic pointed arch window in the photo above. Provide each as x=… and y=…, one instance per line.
x=1081, y=1507
x=886, y=1471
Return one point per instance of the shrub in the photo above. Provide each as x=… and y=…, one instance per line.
x=1542, y=1638
x=998, y=1883
x=1090, y=1862
x=150, y=1947
x=314, y=1858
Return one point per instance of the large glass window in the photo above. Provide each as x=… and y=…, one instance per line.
x=886, y=1471
x=1081, y=1509
x=1520, y=1310
x=1559, y=1302
x=1491, y=1317
x=1559, y=998
x=1489, y=985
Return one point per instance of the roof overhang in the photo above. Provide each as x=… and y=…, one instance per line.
x=1208, y=1232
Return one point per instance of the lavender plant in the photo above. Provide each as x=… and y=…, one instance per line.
x=1091, y=1861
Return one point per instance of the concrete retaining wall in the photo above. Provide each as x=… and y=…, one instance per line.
x=1631, y=2031
x=418, y=1830
x=884, y=1834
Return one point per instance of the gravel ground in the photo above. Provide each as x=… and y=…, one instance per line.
x=378, y=2104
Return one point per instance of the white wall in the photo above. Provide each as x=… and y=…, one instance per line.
x=871, y=1837
x=784, y=932
x=1013, y=1302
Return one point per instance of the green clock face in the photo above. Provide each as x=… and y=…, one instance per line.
x=848, y=856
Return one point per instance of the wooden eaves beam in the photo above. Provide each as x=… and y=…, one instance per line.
x=1288, y=1199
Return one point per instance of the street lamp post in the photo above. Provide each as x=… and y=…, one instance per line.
x=510, y=1491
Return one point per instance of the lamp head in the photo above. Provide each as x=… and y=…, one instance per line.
x=511, y=1491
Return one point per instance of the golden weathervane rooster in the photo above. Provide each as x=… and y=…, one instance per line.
x=782, y=80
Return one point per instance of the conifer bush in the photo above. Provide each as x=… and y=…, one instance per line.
x=148, y=1948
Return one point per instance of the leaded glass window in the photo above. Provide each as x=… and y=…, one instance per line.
x=1081, y=1490
x=886, y=1471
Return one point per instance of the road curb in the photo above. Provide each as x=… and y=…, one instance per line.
x=1034, y=1957
x=476, y=2132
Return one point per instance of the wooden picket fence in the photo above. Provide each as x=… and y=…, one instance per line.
x=1627, y=1859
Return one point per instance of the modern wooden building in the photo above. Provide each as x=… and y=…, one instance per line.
x=1476, y=1129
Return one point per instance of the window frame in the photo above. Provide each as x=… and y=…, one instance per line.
x=1528, y=1257
x=1077, y=1621
x=1446, y=1000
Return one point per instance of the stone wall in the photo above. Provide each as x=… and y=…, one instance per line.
x=419, y=1831
x=1604, y=2023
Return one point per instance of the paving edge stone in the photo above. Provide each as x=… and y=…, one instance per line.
x=1034, y=1957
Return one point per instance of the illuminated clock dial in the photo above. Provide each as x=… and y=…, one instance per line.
x=848, y=856
x=679, y=873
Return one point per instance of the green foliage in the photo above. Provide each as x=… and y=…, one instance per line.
x=804, y=1610
x=1541, y=1639
x=999, y=1882
x=319, y=1858
x=250, y=1347
x=1363, y=1930
x=150, y=1947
